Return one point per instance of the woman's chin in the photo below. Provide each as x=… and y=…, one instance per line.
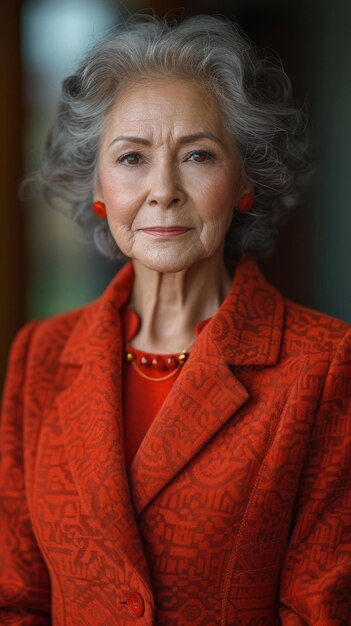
x=166, y=262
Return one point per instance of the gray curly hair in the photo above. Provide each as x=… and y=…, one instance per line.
x=254, y=95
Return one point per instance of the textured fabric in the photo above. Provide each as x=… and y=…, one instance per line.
x=141, y=398
x=236, y=507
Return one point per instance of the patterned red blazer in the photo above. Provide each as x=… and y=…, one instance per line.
x=236, y=509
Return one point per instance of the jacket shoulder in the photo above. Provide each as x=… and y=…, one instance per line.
x=52, y=333
x=307, y=331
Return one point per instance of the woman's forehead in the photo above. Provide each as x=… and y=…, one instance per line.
x=175, y=105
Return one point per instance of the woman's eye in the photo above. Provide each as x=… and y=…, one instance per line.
x=200, y=156
x=132, y=158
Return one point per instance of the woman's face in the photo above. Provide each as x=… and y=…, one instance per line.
x=168, y=173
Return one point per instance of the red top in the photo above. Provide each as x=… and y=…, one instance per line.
x=142, y=398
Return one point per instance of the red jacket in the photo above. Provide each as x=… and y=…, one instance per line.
x=236, y=509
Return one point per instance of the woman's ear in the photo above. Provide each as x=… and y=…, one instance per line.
x=245, y=197
x=99, y=207
x=246, y=186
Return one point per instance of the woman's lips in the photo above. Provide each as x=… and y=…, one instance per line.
x=165, y=231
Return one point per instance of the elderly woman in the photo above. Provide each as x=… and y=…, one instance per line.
x=178, y=451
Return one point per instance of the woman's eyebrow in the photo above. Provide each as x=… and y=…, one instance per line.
x=202, y=135
x=131, y=139
x=181, y=140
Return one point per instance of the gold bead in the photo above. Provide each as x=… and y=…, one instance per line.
x=129, y=357
x=182, y=357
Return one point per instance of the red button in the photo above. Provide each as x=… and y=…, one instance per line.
x=136, y=604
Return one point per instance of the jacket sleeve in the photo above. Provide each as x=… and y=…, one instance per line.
x=24, y=578
x=316, y=575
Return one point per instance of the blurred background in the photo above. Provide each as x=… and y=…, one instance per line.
x=45, y=266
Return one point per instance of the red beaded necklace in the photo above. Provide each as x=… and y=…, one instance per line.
x=157, y=362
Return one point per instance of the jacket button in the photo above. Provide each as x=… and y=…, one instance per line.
x=136, y=604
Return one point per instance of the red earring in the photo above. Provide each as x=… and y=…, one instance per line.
x=245, y=203
x=100, y=209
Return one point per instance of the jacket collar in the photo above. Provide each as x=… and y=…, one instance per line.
x=100, y=312
x=246, y=330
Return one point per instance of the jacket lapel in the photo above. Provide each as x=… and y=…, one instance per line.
x=201, y=400
x=246, y=330
x=90, y=413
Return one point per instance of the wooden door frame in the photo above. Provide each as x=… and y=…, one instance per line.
x=13, y=254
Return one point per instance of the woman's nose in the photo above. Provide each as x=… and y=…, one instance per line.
x=165, y=188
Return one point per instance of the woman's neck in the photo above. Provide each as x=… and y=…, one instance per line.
x=171, y=304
